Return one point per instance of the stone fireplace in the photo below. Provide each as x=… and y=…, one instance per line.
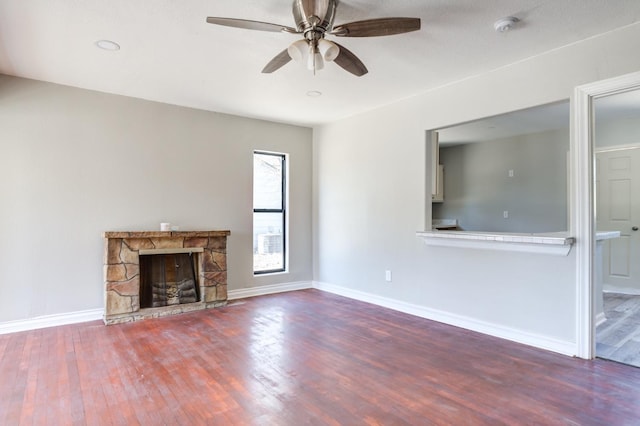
x=122, y=270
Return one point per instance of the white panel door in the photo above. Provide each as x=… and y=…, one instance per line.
x=618, y=209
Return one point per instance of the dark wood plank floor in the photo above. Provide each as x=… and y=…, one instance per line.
x=299, y=358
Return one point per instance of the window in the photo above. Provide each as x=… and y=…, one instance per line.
x=269, y=213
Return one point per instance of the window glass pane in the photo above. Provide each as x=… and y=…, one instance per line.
x=268, y=238
x=267, y=181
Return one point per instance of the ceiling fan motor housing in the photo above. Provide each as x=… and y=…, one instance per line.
x=314, y=17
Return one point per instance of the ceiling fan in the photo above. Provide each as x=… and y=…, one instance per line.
x=314, y=20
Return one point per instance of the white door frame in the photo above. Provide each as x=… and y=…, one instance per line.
x=583, y=225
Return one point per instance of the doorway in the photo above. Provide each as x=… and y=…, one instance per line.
x=617, y=208
x=584, y=203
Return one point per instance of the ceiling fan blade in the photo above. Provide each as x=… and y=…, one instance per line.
x=251, y=25
x=278, y=62
x=377, y=27
x=350, y=62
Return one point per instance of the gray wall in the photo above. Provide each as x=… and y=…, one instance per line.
x=76, y=163
x=478, y=188
x=370, y=181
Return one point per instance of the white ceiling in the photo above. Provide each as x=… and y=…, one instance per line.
x=170, y=54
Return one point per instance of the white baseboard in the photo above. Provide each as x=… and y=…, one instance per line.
x=531, y=339
x=263, y=290
x=519, y=336
x=97, y=314
x=621, y=290
x=50, y=321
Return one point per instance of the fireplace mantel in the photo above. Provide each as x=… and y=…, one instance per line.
x=165, y=234
x=122, y=270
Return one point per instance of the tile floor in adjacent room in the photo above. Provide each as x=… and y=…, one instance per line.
x=618, y=338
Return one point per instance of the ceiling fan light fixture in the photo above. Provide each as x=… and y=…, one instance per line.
x=328, y=49
x=298, y=50
x=308, y=53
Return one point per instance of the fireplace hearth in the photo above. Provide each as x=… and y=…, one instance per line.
x=190, y=273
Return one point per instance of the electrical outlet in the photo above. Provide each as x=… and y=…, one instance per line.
x=387, y=275
x=505, y=214
x=511, y=173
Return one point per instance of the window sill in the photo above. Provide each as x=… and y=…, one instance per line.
x=270, y=274
x=555, y=243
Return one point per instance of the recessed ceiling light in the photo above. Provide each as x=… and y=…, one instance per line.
x=108, y=45
x=314, y=93
x=505, y=24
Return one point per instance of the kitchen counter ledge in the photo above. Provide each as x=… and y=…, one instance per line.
x=556, y=243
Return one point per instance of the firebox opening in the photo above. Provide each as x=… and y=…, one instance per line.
x=168, y=279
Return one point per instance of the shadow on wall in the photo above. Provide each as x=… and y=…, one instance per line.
x=12, y=88
x=7, y=66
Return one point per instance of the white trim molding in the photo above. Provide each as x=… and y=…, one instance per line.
x=531, y=339
x=614, y=148
x=582, y=146
x=263, y=290
x=514, y=335
x=550, y=243
x=608, y=288
x=51, y=321
x=98, y=314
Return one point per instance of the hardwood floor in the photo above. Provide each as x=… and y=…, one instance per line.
x=304, y=357
x=618, y=338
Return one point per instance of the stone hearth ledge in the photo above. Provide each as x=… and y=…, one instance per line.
x=122, y=271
